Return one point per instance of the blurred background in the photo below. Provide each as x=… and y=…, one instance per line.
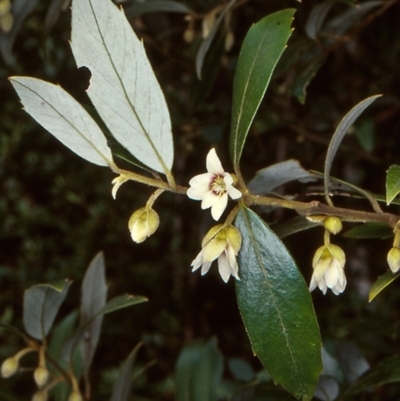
x=56, y=210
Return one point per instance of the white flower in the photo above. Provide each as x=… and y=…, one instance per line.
x=222, y=242
x=328, y=264
x=213, y=187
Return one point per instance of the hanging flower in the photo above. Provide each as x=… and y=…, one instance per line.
x=328, y=264
x=222, y=242
x=213, y=187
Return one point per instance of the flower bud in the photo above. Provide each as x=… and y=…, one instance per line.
x=143, y=223
x=333, y=224
x=189, y=35
x=5, y=6
x=75, y=396
x=40, y=396
x=41, y=376
x=9, y=367
x=393, y=259
x=6, y=22
x=229, y=41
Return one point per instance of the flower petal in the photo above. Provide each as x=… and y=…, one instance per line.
x=198, y=261
x=232, y=262
x=209, y=199
x=201, y=180
x=195, y=193
x=224, y=267
x=234, y=193
x=205, y=268
x=219, y=206
x=213, y=163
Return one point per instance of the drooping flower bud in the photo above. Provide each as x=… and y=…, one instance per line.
x=40, y=396
x=75, y=396
x=393, y=259
x=9, y=367
x=41, y=376
x=328, y=264
x=333, y=224
x=143, y=223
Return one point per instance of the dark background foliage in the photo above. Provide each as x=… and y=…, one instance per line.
x=57, y=211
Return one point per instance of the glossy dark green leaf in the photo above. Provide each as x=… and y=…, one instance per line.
x=272, y=177
x=392, y=183
x=387, y=371
x=93, y=299
x=154, y=6
x=198, y=372
x=369, y=230
x=293, y=226
x=205, y=45
x=261, y=50
x=341, y=130
x=276, y=308
x=381, y=283
x=123, y=386
x=41, y=304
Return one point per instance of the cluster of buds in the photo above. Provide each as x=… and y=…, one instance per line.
x=329, y=260
x=6, y=17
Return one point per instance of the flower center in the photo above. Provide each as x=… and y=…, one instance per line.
x=217, y=185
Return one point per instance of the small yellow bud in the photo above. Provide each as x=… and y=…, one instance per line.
x=75, y=396
x=9, y=367
x=333, y=224
x=143, y=223
x=40, y=396
x=393, y=259
x=5, y=6
x=229, y=41
x=41, y=376
x=6, y=22
x=188, y=35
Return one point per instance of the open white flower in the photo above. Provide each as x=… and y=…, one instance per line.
x=328, y=264
x=213, y=187
x=222, y=242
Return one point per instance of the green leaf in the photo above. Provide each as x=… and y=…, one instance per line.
x=272, y=177
x=387, y=371
x=205, y=45
x=94, y=294
x=123, y=87
x=392, y=183
x=294, y=225
x=261, y=50
x=317, y=18
x=365, y=133
x=122, y=301
x=123, y=385
x=41, y=304
x=381, y=283
x=370, y=230
x=341, y=130
x=276, y=308
x=155, y=6
x=61, y=115
x=198, y=372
